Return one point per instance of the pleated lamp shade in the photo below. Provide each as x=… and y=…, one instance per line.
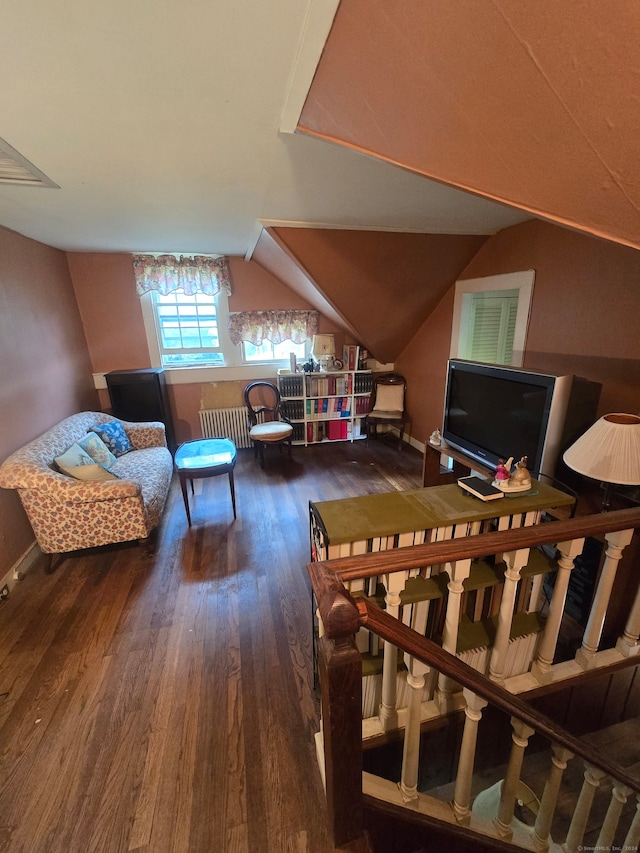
x=609, y=451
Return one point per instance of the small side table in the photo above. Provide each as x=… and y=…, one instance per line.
x=205, y=457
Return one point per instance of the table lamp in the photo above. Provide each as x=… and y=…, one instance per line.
x=323, y=349
x=609, y=451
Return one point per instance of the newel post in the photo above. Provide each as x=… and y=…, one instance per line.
x=340, y=677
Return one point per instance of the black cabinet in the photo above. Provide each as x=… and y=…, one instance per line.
x=141, y=395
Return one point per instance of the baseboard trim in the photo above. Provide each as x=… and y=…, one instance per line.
x=20, y=568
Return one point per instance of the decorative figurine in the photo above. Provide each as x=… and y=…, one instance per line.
x=435, y=438
x=518, y=481
x=503, y=469
x=521, y=476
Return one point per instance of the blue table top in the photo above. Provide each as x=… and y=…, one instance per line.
x=206, y=453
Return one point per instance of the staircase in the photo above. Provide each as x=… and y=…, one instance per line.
x=392, y=830
x=519, y=801
x=619, y=742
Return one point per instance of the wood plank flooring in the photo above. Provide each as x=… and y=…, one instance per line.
x=165, y=703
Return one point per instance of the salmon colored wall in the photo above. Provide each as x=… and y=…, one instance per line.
x=584, y=317
x=110, y=308
x=585, y=309
x=272, y=253
x=423, y=362
x=46, y=373
x=254, y=289
x=363, y=274
x=105, y=289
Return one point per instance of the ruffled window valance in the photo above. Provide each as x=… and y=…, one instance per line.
x=275, y=326
x=192, y=274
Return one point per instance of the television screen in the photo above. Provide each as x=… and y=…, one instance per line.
x=493, y=412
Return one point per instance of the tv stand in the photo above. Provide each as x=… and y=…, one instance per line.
x=434, y=474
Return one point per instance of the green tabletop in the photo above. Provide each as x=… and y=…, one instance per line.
x=370, y=516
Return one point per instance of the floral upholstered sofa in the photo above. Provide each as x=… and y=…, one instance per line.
x=67, y=513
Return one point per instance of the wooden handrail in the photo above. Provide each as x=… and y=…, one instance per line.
x=416, y=556
x=398, y=634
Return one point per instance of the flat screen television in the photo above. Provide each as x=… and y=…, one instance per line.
x=493, y=412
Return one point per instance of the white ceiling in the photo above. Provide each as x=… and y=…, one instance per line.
x=159, y=120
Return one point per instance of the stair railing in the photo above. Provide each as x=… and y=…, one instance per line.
x=339, y=667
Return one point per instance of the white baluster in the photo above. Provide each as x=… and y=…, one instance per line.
x=619, y=796
x=541, y=667
x=515, y=560
x=592, y=778
x=632, y=840
x=628, y=642
x=617, y=540
x=509, y=789
x=458, y=572
x=411, y=748
x=462, y=794
x=537, y=584
x=542, y=828
x=394, y=584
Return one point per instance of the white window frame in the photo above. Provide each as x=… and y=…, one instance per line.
x=177, y=299
x=151, y=325
x=234, y=365
x=521, y=281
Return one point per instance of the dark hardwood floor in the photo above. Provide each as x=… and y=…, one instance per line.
x=165, y=703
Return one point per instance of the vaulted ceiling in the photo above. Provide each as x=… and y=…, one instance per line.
x=160, y=125
x=523, y=103
x=533, y=104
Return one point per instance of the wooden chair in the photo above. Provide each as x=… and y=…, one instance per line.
x=266, y=421
x=387, y=404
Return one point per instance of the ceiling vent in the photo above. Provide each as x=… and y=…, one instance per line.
x=16, y=169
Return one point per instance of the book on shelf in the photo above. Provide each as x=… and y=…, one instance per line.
x=363, y=383
x=336, y=430
x=290, y=386
x=350, y=357
x=480, y=488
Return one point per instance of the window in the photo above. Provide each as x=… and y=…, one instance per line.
x=187, y=329
x=273, y=352
x=490, y=318
x=272, y=336
x=192, y=331
x=487, y=326
x=184, y=301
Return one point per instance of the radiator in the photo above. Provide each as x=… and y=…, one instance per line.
x=226, y=423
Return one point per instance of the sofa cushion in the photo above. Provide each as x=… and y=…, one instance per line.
x=92, y=444
x=389, y=398
x=94, y=473
x=73, y=457
x=114, y=436
x=76, y=463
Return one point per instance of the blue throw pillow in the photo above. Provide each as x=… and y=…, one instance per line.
x=114, y=437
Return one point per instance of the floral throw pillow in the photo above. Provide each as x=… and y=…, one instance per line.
x=114, y=436
x=97, y=449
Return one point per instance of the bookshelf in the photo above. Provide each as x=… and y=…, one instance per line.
x=327, y=406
